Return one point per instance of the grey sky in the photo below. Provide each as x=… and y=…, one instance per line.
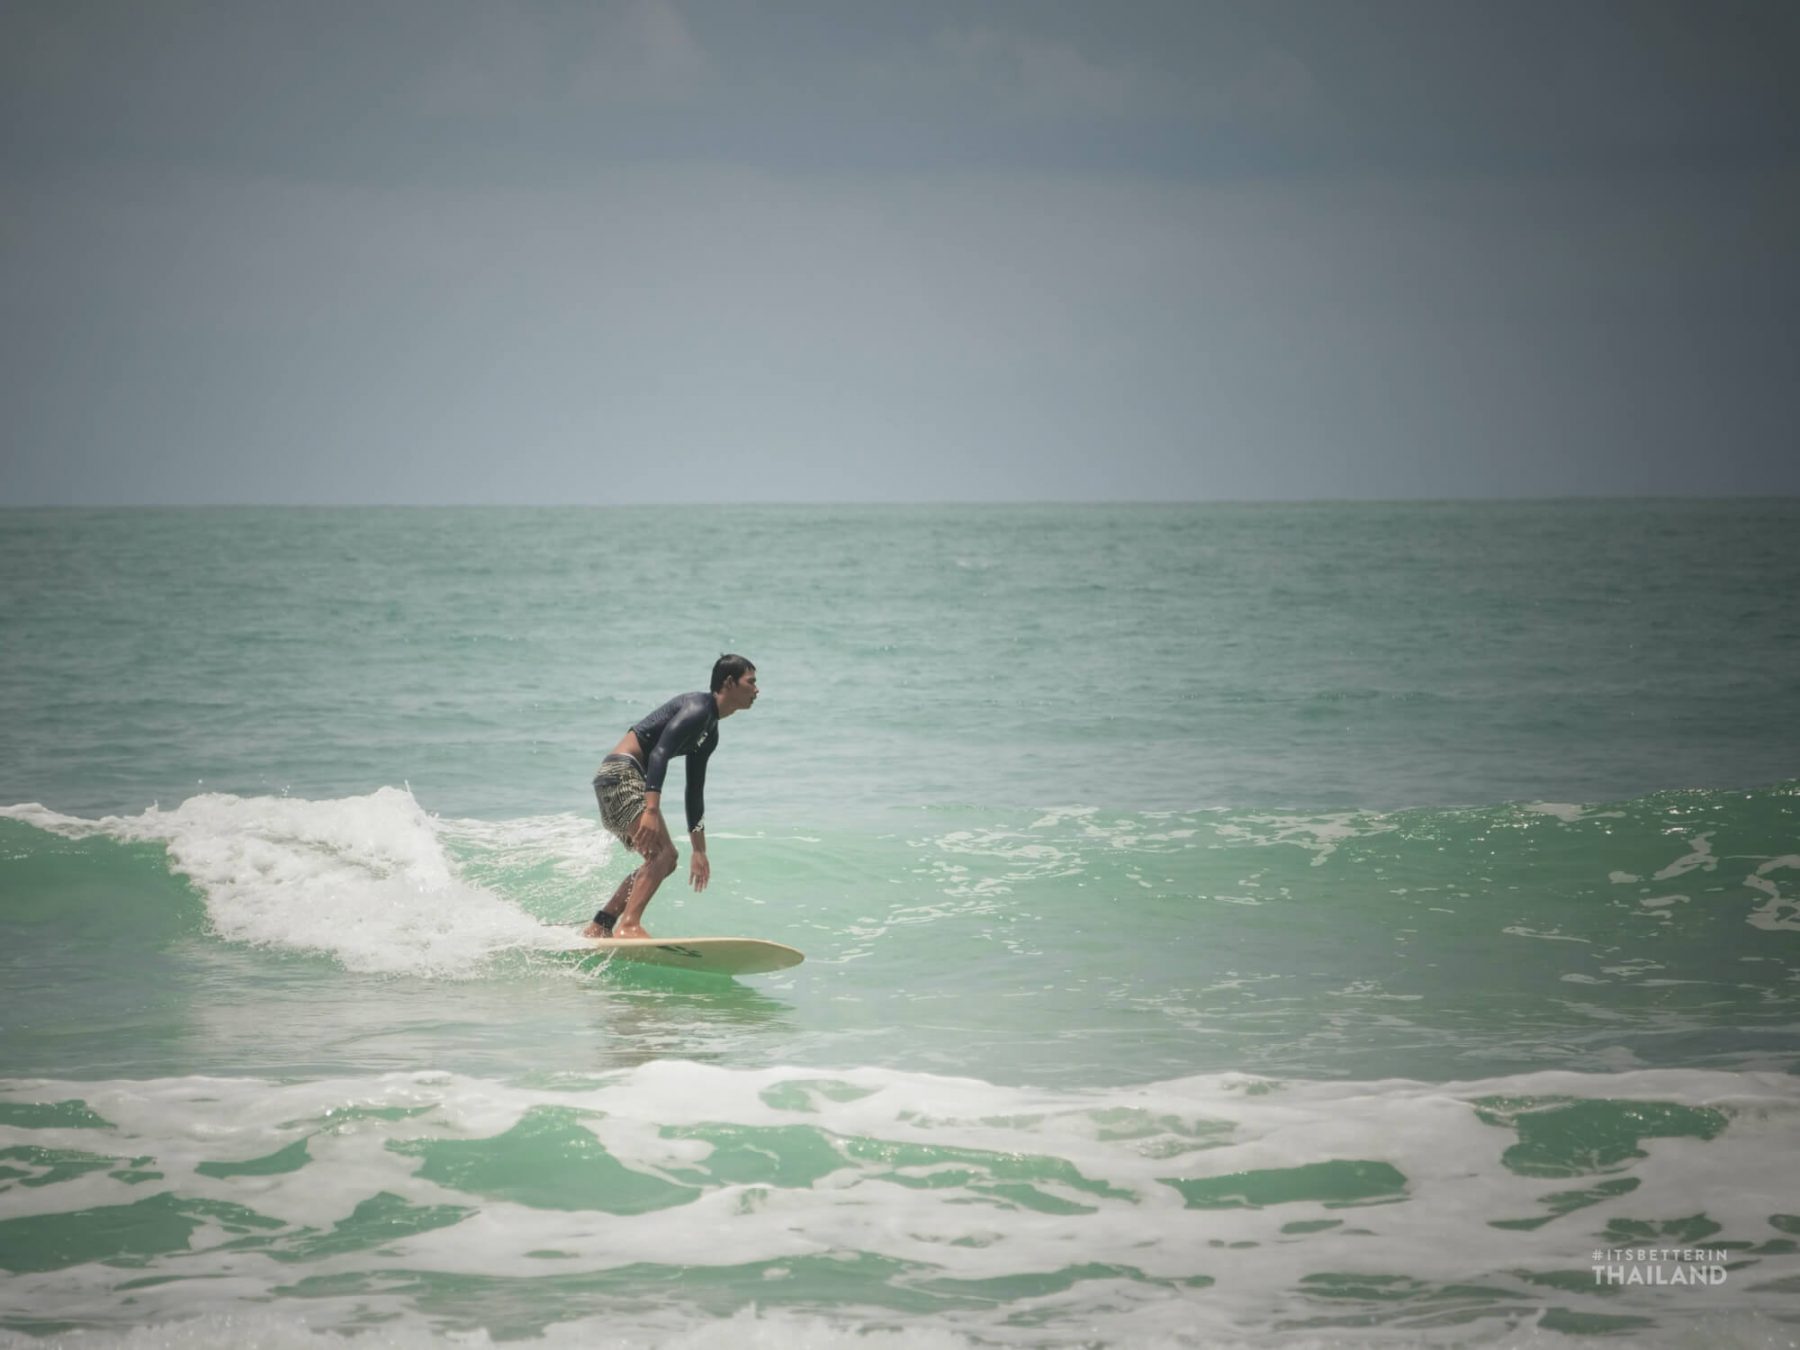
x=666, y=250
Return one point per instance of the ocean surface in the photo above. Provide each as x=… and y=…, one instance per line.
x=1261, y=925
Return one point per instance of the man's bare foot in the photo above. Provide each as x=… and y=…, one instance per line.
x=635, y=930
x=594, y=930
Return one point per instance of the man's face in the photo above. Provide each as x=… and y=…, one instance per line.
x=746, y=688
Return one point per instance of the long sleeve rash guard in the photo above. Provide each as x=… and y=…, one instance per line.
x=687, y=724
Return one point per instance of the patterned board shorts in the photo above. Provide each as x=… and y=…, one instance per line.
x=619, y=786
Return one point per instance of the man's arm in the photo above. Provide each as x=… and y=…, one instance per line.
x=675, y=738
x=696, y=787
x=700, y=867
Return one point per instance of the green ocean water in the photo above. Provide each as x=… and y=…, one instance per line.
x=1304, y=924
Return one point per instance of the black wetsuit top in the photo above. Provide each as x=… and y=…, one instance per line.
x=687, y=724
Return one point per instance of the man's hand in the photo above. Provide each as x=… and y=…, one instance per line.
x=699, y=871
x=649, y=832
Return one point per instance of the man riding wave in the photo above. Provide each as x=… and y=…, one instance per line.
x=629, y=788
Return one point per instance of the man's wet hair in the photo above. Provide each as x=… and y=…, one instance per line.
x=729, y=667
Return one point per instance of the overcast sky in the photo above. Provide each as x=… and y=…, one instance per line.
x=343, y=251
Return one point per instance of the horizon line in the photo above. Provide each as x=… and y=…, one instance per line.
x=1575, y=497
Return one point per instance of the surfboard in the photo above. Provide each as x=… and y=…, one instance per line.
x=708, y=955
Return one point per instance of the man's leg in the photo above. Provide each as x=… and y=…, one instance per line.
x=613, y=908
x=651, y=875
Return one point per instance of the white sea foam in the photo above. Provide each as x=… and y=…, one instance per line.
x=901, y=1203
x=1778, y=909
x=1321, y=834
x=1567, y=812
x=1700, y=856
x=574, y=847
x=1150, y=1326
x=365, y=879
x=1520, y=930
x=750, y=1329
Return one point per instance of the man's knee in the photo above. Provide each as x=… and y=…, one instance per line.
x=665, y=862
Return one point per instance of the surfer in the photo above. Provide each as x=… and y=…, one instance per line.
x=629, y=788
